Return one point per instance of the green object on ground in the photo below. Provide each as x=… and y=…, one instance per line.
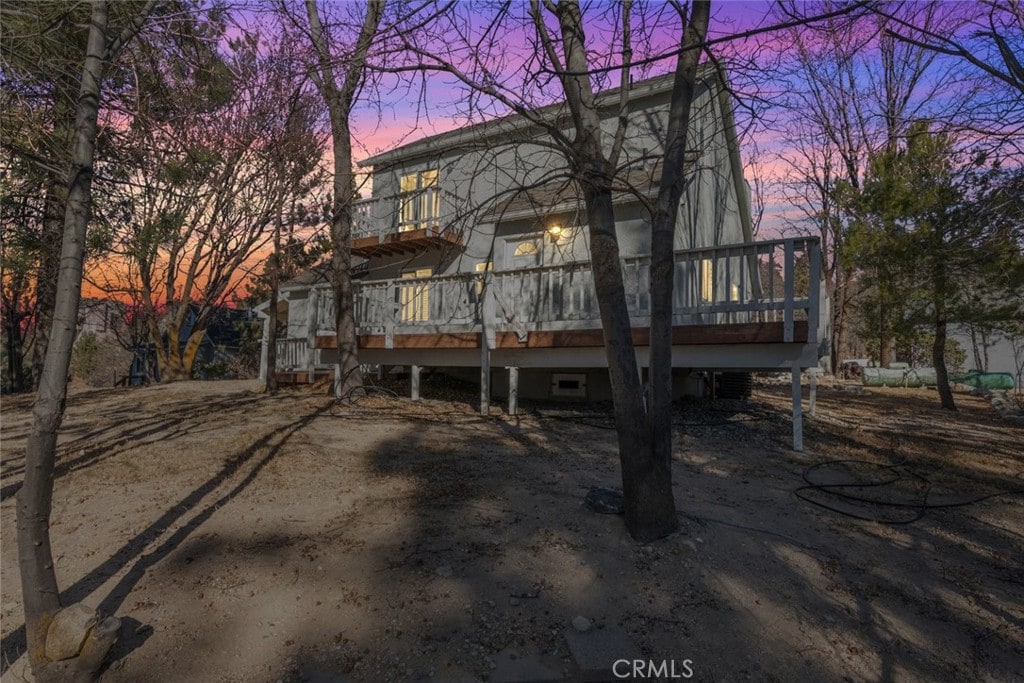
x=985, y=380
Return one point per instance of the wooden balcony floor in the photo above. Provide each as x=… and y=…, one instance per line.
x=406, y=242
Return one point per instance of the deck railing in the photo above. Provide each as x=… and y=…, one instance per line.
x=753, y=282
x=292, y=354
x=363, y=223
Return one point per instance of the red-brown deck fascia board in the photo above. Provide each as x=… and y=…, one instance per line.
x=683, y=335
x=407, y=242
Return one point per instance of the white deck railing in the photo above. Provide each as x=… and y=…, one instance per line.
x=292, y=354
x=363, y=223
x=754, y=282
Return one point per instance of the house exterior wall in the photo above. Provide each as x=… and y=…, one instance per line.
x=477, y=174
x=497, y=193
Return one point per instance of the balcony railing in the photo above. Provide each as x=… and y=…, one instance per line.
x=363, y=220
x=754, y=282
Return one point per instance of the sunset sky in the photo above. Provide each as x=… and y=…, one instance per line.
x=401, y=115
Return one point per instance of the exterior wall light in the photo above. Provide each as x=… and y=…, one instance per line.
x=554, y=232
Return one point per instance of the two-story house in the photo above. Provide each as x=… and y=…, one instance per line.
x=474, y=258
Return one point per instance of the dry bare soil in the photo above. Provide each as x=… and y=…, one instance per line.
x=244, y=537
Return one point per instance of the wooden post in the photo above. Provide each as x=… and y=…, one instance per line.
x=814, y=295
x=813, y=379
x=264, y=350
x=788, y=292
x=798, y=420
x=485, y=377
x=488, y=312
x=513, y=390
x=311, y=325
x=414, y=380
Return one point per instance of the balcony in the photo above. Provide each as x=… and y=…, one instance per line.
x=383, y=226
x=761, y=291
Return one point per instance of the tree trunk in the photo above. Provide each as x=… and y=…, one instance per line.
x=939, y=347
x=172, y=369
x=984, y=351
x=47, y=274
x=973, y=330
x=339, y=101
x=14, y=341
x=39, y=582
x=647, y=490
x=885, y=348
x=939, y=359
x=341, y=259
x=655, y=470
x=837, y=296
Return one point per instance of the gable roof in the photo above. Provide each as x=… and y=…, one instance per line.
x=516, y=123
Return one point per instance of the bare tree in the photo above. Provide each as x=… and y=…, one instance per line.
x=851, y=90
x=339, y=72
x=561, y=68
x=41, y=597
x=207, y=171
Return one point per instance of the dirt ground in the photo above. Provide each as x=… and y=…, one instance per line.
x=244, y=537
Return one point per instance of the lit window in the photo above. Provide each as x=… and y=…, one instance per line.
x=482, y=267
x=420, y=200
x=526, y=249
x=707, y=280
x=415, y=298
x=523, y=253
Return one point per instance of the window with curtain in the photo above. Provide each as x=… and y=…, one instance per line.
x=414, y=299
x=420, y=200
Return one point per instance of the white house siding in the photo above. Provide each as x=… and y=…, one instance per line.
x=474, y=174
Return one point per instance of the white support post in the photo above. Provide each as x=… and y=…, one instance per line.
x=415, y=382
x=264, y=351
x=813, y=294
x=788, y=292
x=311, y=325
x=798, y=419
x=513, y=391
x=487, y=340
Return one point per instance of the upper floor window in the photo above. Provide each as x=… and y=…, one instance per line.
x=420, y=200
x=524, y=253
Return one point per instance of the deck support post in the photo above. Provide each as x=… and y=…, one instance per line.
x=485, y=377
x=513, y=390
x=488, y=313
x=813, y=380
x=264, y=351
x=312, y=304
x=414, y=380
x=798, y=419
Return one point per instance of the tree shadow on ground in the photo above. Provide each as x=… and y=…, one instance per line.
x=127, y=427
x=145, y=550
x=491, y=548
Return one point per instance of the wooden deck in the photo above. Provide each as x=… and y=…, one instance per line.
x=294, y=377
x=683, y=335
